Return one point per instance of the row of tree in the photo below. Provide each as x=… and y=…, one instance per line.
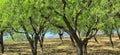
x=78, y=18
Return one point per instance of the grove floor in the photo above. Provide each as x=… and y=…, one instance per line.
x=56, y=47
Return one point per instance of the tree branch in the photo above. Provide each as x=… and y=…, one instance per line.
x=16, y=30
x=26, y=32
x=58, y=26
x=76, y=18
x=90, y=36
x=58, y=13
x=31, y=23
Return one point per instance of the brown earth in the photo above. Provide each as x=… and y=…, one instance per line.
x=56, y=47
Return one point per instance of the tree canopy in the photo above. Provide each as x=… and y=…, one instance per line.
x=76, y=17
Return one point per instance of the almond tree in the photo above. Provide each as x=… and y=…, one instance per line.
x=26, y=19
x=3, y=25
x=72, y=16
x=77, y=15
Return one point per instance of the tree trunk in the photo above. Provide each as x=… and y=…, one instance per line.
x=31, y=42
x=85, y=47
x=33, y=46
x=110, y=37
x=118, y=33
x=41, y=40
x=72, y=40
x=33, y=49
x=61, y=36
x=1, y=41
x=74, y=36
x=72, y=31
x=36, y=42
x=79, y=43
x=80, y=50
x=96, y=39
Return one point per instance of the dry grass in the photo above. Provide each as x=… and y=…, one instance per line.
x=56, y=47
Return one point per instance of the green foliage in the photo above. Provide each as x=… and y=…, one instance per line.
x=14, y=11
x=39, y=16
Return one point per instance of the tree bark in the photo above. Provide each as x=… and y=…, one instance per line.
x=95, y=39
x=41, y=43
x=72, y=40
x=80, y=50
x=85, y=47
x=30, y=40
x=110, y=37
x=36, y=42
x=73, y=32
x=118, y=33
x=61, y=35
x=1, y=41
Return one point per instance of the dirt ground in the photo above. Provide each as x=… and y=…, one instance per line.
x=56, y=47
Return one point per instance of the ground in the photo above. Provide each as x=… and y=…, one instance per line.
x=56, y=47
